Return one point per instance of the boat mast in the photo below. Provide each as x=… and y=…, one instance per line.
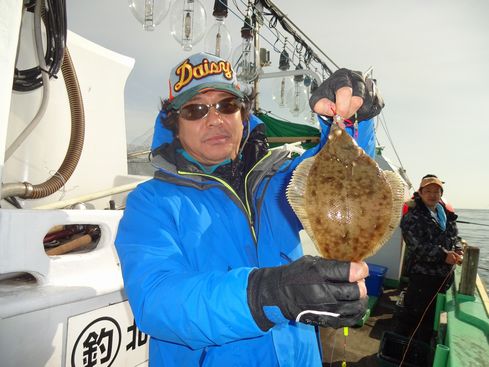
x=257, y=20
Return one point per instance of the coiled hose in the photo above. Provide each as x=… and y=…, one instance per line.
x=25, y=190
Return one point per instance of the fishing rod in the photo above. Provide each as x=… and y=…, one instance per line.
x=476, y=224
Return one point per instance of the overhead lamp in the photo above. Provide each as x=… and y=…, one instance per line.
x=283, y=84
x=218, y=39
x=297, y=95
x=187, y=22
x=280, y=88
x=246, y=57
x=310, y=84
x=149, y=13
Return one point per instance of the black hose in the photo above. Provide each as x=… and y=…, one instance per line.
x=53, y=14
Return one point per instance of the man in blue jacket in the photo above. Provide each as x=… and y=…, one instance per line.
x=210, y=250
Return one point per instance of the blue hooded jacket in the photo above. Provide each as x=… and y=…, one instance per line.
x=187, y=244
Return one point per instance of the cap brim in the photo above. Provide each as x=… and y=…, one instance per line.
x=431, y=181
x=183, y=98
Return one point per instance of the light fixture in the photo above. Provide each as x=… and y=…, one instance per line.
x=280, y=88
x=284, y=83
x=246, y=58
x=297, y=95
x=218, y=39
x=187, y=22
x=310, y=84
x=149, y=13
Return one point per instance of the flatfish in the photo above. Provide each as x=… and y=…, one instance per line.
x=348, y=206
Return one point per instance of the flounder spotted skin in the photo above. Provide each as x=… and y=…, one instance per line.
x=346, y=203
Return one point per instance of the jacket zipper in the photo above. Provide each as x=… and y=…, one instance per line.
x=246, y=205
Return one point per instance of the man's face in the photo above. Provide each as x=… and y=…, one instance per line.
x=215, y=137
x=431, y=195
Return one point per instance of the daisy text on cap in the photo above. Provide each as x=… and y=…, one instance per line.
x=188, y=72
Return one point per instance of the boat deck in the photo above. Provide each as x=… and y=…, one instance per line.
x=362, y=343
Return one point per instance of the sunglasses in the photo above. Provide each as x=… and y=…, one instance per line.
x=197, y=111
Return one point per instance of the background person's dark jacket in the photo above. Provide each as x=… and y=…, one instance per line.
x=427, y=243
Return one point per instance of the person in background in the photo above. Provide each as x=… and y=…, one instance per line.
x=411, y=203
x=210, y=250
x=434, y=248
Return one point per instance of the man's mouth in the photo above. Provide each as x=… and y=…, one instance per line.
x=217, y=139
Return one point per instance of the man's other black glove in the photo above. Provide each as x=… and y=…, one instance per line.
x=310, y=290
x=362, y=87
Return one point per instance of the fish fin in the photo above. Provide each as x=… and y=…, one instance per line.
x=296, y=190
x=397, y=189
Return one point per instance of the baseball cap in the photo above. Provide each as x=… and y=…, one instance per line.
x=431, y=180
x=199, y=72
x=431, y=175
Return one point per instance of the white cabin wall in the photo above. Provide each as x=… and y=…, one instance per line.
x=391, y=256
x=102, y=75
x=10, y=18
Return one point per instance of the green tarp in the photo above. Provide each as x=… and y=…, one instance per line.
x=279, y=128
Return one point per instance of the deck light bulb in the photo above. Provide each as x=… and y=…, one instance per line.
x=149, y=13
x=246, y=57
x=310, y=118
x=297, y=98
x=218, y=39
x=283, y=84
x=187, y=22
x=279, y=91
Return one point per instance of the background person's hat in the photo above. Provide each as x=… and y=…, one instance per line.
x=200, y=72
x=431, y=175
x=431, y=180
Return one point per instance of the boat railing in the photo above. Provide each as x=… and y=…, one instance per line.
x=92, y=196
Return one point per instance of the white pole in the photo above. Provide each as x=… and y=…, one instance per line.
x=90, y=197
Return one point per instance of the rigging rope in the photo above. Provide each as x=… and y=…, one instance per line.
x=383, y=123
x=289, y=29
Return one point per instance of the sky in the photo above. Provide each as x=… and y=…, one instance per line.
x=430, y=60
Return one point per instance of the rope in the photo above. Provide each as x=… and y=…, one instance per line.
x=383, y=123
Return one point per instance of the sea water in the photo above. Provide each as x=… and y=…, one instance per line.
x=476, y=234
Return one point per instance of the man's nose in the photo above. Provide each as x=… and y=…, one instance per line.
x=214, y=118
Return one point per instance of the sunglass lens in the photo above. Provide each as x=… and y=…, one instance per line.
x=197, y=111
x=228, y=106
x=194, y=111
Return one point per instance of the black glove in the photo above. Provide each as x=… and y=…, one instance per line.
x=310, y=290
x=362, y=87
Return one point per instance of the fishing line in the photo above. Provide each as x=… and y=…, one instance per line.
x=345, y=334
x=474, y=223
x=236, y=5
x=424, y=314
x=332, y=350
